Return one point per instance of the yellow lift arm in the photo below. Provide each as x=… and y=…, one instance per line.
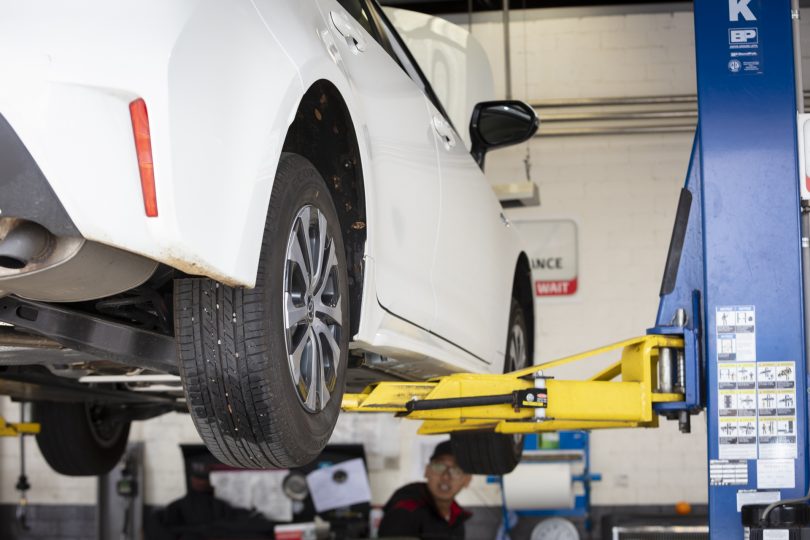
x=9, y=429
x=526, y=401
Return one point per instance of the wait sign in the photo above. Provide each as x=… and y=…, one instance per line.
x=552, y=249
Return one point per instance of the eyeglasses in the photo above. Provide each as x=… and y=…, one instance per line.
x=440, y=468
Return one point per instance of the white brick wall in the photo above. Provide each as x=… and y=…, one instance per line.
x=580, y=55
x=622, y=191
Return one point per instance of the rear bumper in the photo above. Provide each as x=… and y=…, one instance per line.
x=220, y=93
x=73, y=269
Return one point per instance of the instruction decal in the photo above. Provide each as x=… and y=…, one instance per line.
x=756, y=401
x=744, y=43
x=736, y=382
x=736, y=334
x=776, y=395
x=738, y=437
x=728, y=472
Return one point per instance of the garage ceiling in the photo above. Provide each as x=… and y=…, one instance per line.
x=461, y=6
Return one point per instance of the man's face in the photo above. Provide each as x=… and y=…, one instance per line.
x=445, y=478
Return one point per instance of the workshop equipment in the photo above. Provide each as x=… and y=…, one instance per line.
x=730, y=331
x=526, y=401
x=17, y=429
x=22, y=485
x=790, y=521
x=120, y=497
x=735, y=264
x=573, y=447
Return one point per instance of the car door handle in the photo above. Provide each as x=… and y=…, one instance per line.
x=354, y=36
x=444, y=131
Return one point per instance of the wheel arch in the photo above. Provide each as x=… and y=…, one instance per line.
x=323, y=132
x=523, y=293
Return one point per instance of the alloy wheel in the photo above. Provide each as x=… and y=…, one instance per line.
x=312, y=311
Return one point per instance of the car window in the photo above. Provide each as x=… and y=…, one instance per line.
x=358, y=11
x=396, y=50
x=400, y=53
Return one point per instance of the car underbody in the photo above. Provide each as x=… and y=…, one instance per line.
x=118, y=350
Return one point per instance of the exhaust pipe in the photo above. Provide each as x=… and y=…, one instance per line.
x=25, y=243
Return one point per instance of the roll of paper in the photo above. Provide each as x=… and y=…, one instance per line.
x=533, y=486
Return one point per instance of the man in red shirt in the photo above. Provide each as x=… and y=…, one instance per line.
x=428, y=510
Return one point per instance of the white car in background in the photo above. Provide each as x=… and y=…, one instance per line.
x=262, y=196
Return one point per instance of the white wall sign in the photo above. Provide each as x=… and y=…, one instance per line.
x=552, y=249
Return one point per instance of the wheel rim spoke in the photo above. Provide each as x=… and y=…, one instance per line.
x=312, y=250
x=323, y=388
x=312, y=401
x=329, y=357
x=320, y=284
x=294, y=314
x=319, y=250
x=322, y=330
x=313, y=314
x=295, y=254
x=329, y=314
x=297, y=358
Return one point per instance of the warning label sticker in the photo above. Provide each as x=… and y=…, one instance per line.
x=776, y=396
x=737, y=403
x=733, y=376
x=736, y=382
x=726, y=472
x=736, y=334
x=738, y=438
x=772, y=375
x=756, y=401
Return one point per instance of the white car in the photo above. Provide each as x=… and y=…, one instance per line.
x=262, y=196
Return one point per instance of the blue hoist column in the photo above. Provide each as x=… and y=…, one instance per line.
x=733, y=282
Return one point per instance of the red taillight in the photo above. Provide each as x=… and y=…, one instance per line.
x=143, y=148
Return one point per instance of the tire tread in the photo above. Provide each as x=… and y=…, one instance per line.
x=226, y=357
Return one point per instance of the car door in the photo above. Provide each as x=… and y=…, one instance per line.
x=404, y=164
x=475, y=252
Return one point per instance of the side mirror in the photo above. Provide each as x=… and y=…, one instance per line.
x=496, y=124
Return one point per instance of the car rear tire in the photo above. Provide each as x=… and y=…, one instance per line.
x=264, y=368
x=80, y=439
x=484, y=452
